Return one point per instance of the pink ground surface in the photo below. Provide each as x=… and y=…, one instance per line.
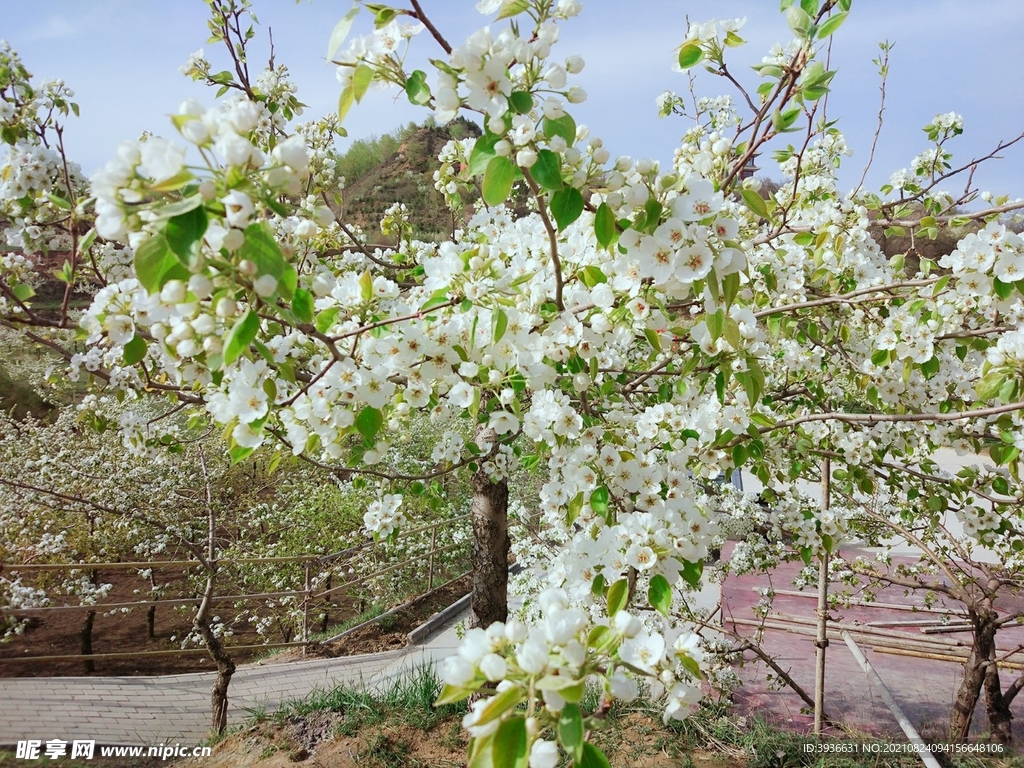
x=925, y=689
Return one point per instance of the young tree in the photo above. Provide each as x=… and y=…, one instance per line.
x=640, y=328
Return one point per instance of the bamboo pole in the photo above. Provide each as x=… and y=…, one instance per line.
x=947, y=629
x=871, y=604
x=905, y=724
x=1014, y=665
x=906, y=623
x=863, y=629
x=898, y=640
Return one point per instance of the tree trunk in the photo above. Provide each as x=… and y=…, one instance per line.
x=998, y=709
x=86, y=635
x=225, y=665
x=151, y=622
x=974, y=677
x=490, y=547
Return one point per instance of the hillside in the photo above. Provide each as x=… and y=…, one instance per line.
x=405, y=175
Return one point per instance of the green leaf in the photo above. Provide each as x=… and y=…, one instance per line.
x=260, y=247
x=783, y=120
x=547, y=171
x=451, y=694
x=499, y=705
x=1002, y=290
x=990, y=384
x=241, y=336
x=806, y=554
x=327, y=318
x=59, y=201
x=574, y=509
x=830, y=25
x=755, y=202
x=605, y=226
x=23, y=291
x=521, y=101
x=366, y=285
x=302, y=305
x=155, y=264
x=416, y=88
x=599, y=498
x=340, y=32
x=481, y=752
x=930, y=367
x=498, y=178
x=618, y=596
x=184, y=232
x=361, y=80
x=134, y=350
x=799, y=21
x=483, y=151
x=570, y=731
x=368, y=422
x=563, y=126
x=692, y=572
x=566, y=206
x=384, y=17
x=592, y=276
x=510, y=744
x=345, y=101
x=689, y=55
x=500, y=324
x=238, y=453
x=1005, y=454
x=512, y=8
x=592, y=758
x=659, y=594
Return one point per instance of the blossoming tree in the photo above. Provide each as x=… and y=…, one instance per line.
x=642, y=329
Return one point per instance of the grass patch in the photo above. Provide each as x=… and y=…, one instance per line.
x=407, y=699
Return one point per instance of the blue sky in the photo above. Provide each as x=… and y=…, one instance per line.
x=122, y=56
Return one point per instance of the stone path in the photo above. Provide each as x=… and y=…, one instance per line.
x=146, y=711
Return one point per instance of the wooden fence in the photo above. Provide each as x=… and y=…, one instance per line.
x=328, y=563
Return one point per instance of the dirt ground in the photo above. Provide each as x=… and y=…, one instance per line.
x=318, y=741
x=59, y=633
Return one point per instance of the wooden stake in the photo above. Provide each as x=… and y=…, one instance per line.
x=821, y=640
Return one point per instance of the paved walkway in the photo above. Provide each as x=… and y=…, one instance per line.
x=173, y=709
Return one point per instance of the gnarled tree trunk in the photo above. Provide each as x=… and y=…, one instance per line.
x=975, y=668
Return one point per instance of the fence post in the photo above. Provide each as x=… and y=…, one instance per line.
x=430, y=569
x=305, y=611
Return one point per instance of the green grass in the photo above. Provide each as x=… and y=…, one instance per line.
x=408, y=698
